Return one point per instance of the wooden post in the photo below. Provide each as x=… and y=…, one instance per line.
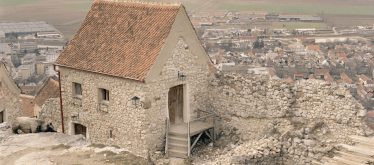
x=189, y=141
x=214, y=125
x=167, y=138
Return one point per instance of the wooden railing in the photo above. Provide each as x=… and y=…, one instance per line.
x=167, y=138
x=188, y=130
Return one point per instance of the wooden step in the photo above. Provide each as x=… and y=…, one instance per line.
x=177, y=134
x=177, y=146
x=178, y=153
x=178, y=140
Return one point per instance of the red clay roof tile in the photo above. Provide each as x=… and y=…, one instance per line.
x=120, y=38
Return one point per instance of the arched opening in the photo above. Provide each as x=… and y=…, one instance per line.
x=80, y=129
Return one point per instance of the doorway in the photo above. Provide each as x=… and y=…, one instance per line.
x=175, y=105
x=80, y=129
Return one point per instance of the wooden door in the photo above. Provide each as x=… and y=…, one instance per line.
x=175, y=103
x=1, y=117
x=80, y=129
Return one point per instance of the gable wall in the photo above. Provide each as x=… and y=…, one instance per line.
x=124, y=119
x=195, y=90
x=9, y=97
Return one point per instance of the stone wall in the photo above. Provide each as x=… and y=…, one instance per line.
x=10, y=103
x=196, y=85
x=50, y=112
x=308, y=119
x=252, y=98
x=118, y=115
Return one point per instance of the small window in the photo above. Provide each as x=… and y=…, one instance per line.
x=105, y=94
x=110, y=134
x=77, y=89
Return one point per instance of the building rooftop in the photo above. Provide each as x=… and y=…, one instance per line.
x=120, y=38
x=26, y=27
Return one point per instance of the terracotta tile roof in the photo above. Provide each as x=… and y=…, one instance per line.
x=271, y=72
x=29, y=88
x=329, y=79
x=298, y=74
x=50, y=89
x=313, y=47
x=341, y=55
x=289, y=80
x=364, y=78
x=319, y=72
x=120, y=38
x=343, y=76
x=369, y=95
x=345, y=60
x=28, y=105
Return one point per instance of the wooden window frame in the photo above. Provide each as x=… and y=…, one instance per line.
x=77, y=90
x=104, y=94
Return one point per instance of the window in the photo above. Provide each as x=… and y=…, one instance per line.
x=105, y=94
x=110, y=134
x=77, y=89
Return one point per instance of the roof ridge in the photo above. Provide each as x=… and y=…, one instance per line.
x=140, y=2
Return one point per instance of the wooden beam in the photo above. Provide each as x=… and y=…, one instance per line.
x=206, y=132
x=196, y=140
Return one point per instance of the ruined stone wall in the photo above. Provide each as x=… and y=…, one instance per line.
x=50, y=112
x=308, y=118
x=10, y=103
x=235, y=95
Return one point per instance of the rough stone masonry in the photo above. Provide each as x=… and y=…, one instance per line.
x=280, y=122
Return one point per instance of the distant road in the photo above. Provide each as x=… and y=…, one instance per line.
x=201, y=6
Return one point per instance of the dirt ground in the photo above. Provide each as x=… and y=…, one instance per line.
x=58, y=148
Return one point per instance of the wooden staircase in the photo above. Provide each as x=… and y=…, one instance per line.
x=358, y=154
x=178, y=145
x=178, y=137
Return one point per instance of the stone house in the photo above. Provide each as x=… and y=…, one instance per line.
x=49, y=89
x=10, y=104
x=27, y=105
x=132, y=68
x=312, y=49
